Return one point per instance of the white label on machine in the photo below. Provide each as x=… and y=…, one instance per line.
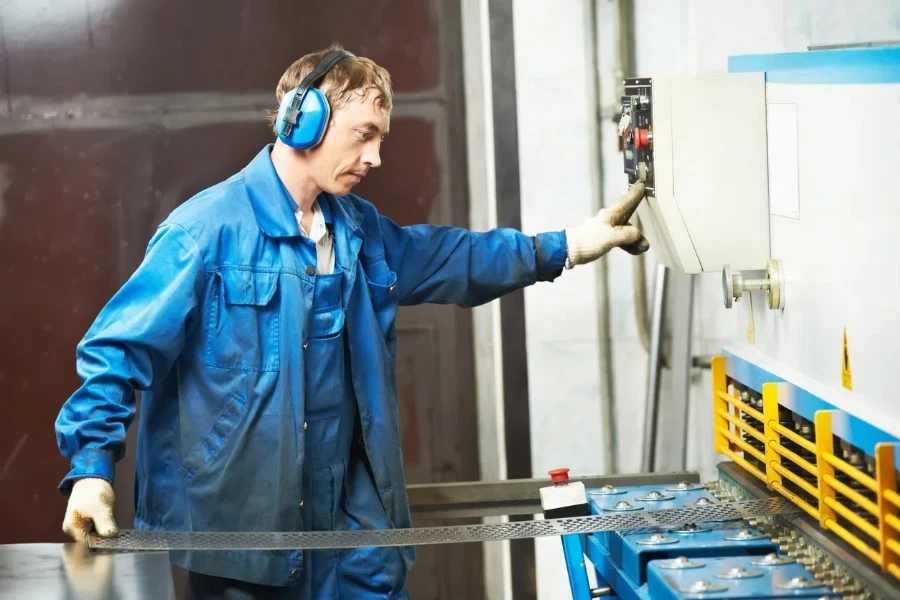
x=784, y=177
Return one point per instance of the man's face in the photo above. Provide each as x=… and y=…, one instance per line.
x=351, y=145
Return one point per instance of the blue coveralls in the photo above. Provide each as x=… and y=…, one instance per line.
x=338, y=487
x=211, y=327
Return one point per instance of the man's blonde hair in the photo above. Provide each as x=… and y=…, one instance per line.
x=346, y=77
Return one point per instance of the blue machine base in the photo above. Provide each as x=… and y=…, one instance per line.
x=633, y=570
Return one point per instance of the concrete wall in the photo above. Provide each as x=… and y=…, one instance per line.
x=559, y=175
x=485, y=319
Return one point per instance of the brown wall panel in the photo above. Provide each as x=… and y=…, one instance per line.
x=103, y=47
x=79, y=211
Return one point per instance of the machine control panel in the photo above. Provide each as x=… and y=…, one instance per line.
x=699, y=187
x=636, y=131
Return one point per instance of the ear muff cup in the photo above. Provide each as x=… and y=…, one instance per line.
x=313, y=121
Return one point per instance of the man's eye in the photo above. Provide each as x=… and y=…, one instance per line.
x=363, y=135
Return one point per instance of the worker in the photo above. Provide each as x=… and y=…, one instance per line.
x=260, y=328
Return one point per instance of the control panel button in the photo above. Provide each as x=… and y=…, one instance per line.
x=641, y=138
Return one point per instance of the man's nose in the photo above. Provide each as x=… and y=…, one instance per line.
x=372, y=158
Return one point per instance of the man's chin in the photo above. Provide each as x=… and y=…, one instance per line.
x=341, y=190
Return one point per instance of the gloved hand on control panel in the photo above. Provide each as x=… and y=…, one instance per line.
x=608, y=229
x=90, y=509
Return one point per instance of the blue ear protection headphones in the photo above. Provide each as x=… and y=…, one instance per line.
x=304, y=112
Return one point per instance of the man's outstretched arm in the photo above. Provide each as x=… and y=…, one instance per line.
x=444, y=265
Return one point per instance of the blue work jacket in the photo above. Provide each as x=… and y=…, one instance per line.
x=212, y=328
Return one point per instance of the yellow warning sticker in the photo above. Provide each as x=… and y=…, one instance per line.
x=846, y=373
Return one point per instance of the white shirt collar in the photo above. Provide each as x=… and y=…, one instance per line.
x=319, y=229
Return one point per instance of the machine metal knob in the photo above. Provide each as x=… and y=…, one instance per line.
x=684, y=486
x=655, y=496
x=772, y=560
x=606, y=490
x=739, y=573
x=689, y=528
x=799, y=583
x=743, y=535
x=734, y=285
x=702, y=587
x=623, y=506
x=682, y=562
x=657, y=539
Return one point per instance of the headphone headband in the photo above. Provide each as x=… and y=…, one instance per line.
x=292, y=114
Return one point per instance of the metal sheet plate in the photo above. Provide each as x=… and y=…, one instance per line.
x=38, y=571
x=170, y=540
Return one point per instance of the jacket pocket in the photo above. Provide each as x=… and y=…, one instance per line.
x=219, y=434
x=242, y=328
x=379, y=277
x=326, y=324
x=382, y=284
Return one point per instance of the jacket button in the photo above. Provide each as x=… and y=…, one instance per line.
x=305, y=344
x=392, y=288
x=301, y=505
x=295, y=573
x=310, y=270
x=304, y=425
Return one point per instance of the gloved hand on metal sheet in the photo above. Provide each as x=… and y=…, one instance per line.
x=608, y=229
x=90, y=509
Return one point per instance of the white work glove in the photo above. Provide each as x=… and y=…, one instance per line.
x=608, y=229
x=90, y=509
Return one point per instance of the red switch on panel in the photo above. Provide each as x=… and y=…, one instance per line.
x=559, y=475
x=641, y=138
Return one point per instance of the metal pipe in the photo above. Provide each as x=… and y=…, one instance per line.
x=604, y=336
x=679, y=309
x=654, y=367
x=625, y=66
x=461, y=499
x=684, y=369
x=639, y=291
x=756, y=284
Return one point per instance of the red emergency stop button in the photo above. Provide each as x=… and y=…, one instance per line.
x=641, y=138
x=559, y=475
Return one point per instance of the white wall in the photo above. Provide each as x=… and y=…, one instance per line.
x=558, y=171
x=485, y=319
x=558, y=165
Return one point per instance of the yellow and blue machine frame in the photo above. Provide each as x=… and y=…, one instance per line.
x=779, y=439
